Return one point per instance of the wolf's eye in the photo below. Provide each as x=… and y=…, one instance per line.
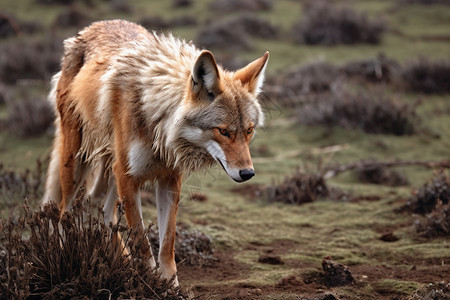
x=250, y=130
x=224, y=132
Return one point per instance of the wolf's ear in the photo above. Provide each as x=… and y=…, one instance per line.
x=252, y=75
x=205, y=73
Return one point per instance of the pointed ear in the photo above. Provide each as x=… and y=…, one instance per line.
x=252, y=75
x=205, y=72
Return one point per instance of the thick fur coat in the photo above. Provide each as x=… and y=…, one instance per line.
x=134, y=106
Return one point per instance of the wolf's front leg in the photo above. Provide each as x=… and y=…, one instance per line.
x=128, y=190
x=167, y=198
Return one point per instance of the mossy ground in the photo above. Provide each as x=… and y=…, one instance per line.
x=349, y=232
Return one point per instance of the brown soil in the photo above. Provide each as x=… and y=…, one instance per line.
x=198, y=279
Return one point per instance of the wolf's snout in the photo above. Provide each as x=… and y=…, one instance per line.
x=246, y=174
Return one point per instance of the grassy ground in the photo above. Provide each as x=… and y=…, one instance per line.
x=242, y=228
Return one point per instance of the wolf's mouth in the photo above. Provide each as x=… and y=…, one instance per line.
x=220, y=162
x=223, y=166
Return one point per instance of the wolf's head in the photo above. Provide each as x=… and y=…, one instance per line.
x=223, y=112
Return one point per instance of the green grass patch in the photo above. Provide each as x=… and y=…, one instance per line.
x=389, y=287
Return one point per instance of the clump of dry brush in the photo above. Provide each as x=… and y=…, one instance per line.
x=17, y=185
x=379, y=174
x=425, y=199
x=432, y=201
x=79, y=260
x=301, y=187
x=227, y=6
x=29, y=59
x=235, y=33
x=369, y=112
x=328, y=24
x=426, y=76
x=191, y=247
x=27, y=116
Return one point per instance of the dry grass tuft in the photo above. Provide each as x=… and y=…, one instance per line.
x=121, y=6
x=301, y=187
x=425, y=199
x=377, y=69
x=311, y=78
x=227, y=6
x=370, y=112
x=71, y=17
x=160, y=24
x=435, y=224
x=15, y=186
x=235, y=33
x=328, y=24
x=28, y=116
x=29, y=59
x=426, y=76
x=191, y=247
x=381, y=175
x=182, y=3
x=432, y=291
x=77, y=261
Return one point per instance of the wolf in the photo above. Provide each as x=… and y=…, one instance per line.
x=135, y=106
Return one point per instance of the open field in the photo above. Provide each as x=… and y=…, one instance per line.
x=365, y=229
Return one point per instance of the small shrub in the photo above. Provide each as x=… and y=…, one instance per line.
x=432, y=291
x=8, y=26
x=378, y=69
x=311, y=78
x=15, y=186
x=159, y=24
x=227, y=6
x=219, y=35
x=71, y=17
x=381, y=175
x=253, y=26
x=437, y=223
x=77, y=261
x=183, y=21
x=235, y=33
x=425, y=76
x=122, y=6
x=29, y=59
x=425, y=199
x=191, y=247
x=182, y=3
x=327, y=24
x=366, y=111
x=154, y=23
x=29, y=116
x=299, y=188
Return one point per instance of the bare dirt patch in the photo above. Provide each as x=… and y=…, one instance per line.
x=307, y=281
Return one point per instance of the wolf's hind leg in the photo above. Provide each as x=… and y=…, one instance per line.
x=53, y=183
x=72, y=170
x=96, y=180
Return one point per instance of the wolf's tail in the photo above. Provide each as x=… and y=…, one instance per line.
x=73, y=60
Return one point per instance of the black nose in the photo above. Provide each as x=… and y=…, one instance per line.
x=246, y=174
